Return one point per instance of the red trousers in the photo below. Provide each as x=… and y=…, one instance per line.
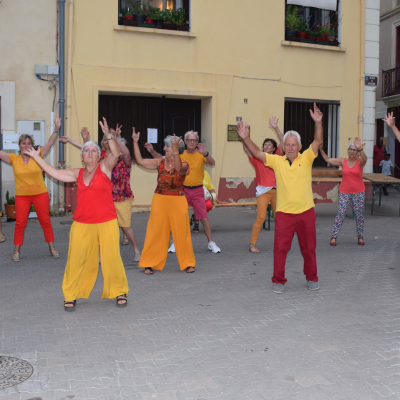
x=22, y=207
x=285, y=227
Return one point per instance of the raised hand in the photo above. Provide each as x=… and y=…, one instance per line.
x=175, y=143
x=149, y=147
x=273, y=122
x=85, y=134
x=357, y=143
x=317, y=114
x=104, y=126
x=201, y=148
x=135, y=136
x=64, y=139
x=389, y=119
x=242, y=130
x=118, y=130
x=57, y=123
x=32, y=152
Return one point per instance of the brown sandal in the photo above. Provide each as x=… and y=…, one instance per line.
x=253, y=248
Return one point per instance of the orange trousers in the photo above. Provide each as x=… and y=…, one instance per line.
x=168, y=214
x=262, y=205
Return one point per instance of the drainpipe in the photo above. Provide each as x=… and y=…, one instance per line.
x=362, y=71
x=61, y=99
x=69, y=70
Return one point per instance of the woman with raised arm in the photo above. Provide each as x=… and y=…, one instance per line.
x=169, y=209
x=95, y=224
x=122, y=192
x=265, y=180
x=30, y=189
x=351, y=189
x=389, y=119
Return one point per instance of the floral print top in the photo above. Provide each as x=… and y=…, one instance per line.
x=120, y=179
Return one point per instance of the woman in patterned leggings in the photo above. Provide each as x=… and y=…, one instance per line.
x=351, y=190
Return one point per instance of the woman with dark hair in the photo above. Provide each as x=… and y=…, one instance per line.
x=266, y=184
x=30, y=189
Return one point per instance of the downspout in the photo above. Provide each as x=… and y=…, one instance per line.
x=362, y=70
x=61, y=99
x=69, y=70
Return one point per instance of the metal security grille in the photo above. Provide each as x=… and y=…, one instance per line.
x=297, y=118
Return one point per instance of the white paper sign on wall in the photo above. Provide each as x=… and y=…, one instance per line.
x=152, y=135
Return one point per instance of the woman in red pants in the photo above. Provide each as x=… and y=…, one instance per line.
x=31, y=189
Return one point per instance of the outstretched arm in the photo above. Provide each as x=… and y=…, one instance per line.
x=149, y=147
x=389, y=119
x=242, y=130
x=4, y=157
x=246, y=150
x=66, y=139
x=273, y=123
x=147, y=163
x=121, y=145
x=57, y=124
x=319, y=131
x=333, y=161
x=63, y=175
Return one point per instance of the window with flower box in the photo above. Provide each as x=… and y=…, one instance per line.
x=160, y=14
x=308, y=24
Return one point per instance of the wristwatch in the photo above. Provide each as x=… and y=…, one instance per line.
x=206, y=155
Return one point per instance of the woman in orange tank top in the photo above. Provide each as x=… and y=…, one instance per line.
x=95, y=225
x=351, y=190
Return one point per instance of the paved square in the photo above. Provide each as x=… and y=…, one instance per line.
x=220, y=333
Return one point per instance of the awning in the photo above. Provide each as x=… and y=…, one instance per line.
x=323, y=4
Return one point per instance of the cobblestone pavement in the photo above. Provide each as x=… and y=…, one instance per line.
x=220, y=333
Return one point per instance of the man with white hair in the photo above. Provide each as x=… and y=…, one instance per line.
x=196, y=156
x=295, y=203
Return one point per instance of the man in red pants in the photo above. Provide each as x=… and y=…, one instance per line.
x=295, y=203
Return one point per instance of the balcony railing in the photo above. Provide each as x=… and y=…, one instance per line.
x=391, y=82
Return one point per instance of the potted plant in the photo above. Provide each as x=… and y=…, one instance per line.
x=139, y=12
x=332, y=34
x=10, y=206
x=324, y=30
x=291, y=21
x=157, y=17
x=168, y=20
x=179, y=17
x=152, y=14
x=302, y=29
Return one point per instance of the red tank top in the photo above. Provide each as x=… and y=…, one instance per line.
x=94, y=202
x=352, y=180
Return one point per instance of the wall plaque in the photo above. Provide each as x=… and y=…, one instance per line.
x=232, y=134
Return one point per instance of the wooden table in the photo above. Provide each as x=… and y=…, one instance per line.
x=378, y=181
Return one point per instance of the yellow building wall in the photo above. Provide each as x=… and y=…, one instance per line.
x=230, y=55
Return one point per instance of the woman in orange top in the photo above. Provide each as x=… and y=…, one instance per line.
x=95, y=225
x=30, y=189
x=169, y=210
x=351, y=189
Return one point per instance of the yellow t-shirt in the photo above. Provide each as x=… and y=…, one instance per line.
x=28, y=177
x=207, y=181
x=196, y=163
x=294, y=193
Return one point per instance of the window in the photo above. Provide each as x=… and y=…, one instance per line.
x=317, y=25
x=167, y=115
x=297, y=118
x=160, y=14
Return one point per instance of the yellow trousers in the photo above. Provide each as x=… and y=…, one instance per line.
x=262, y=205
x=83, y=261
x=168, y=214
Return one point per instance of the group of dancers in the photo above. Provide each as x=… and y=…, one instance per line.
x=104, y=201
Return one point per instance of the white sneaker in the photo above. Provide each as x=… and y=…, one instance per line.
x=172, y=247
x=213, y=247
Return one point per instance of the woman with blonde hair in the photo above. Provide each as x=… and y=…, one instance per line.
x=30, y=189
x=95, y=225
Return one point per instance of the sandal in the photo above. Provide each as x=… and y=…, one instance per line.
x=124, y=298
x=189, y=272
x=125, y=242
x=54, y=253
x=253, y=248
x=333, y=242
x=69, y=309
x=2, y=238
x=196, y=226
x=16, y=256
x=192, y=220
x=361, y=241
x=136, y=257
x=148, y=271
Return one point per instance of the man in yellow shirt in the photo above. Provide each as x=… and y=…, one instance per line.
x=196, y=156
x=295, y=203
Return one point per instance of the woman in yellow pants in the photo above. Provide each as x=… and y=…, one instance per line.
x=169, y=210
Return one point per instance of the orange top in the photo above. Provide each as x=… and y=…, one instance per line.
x=196, y=163
x=28, y=177
x=352, y=178
x=94, y=201
x=169, y=182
